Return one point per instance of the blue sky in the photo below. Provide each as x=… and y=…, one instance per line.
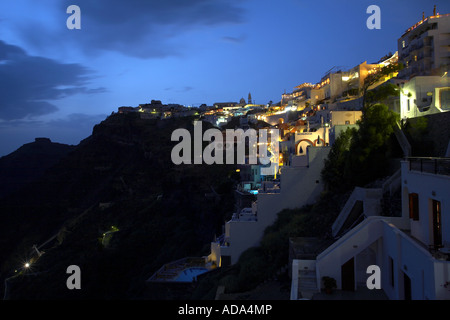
x=58, y=83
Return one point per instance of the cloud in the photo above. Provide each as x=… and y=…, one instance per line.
x=70, y=129
x=145, y=29
x=28, y=83
x=70, y=121
x=75, y=120
x=183, y=89
x=20, y=123
x=234, y=39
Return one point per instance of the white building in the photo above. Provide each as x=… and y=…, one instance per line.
x=348, y=84
x=341, y=121
x=315, y=137
x=298, y=186
x=423, y=48
x=423, y=95
x=411, y=250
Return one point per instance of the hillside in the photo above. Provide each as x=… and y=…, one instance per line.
x=121, y=178
x=29, y=162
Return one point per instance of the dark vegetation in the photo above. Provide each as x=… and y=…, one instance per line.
x=428, y=135
x=361, y=156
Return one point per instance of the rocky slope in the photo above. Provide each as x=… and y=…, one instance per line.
x=119, y=179
x=29, y=162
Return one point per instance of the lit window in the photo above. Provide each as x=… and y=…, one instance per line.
x=403, y=44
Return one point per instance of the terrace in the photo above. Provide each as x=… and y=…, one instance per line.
x=433, y=165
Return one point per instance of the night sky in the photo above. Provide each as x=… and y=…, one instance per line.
x=58, y=83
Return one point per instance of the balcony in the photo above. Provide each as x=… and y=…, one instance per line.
x=430, y=165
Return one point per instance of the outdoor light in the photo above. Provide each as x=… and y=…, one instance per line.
x=27, y=265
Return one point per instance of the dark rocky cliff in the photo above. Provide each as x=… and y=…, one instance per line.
x=29, y=162
x=120, y=177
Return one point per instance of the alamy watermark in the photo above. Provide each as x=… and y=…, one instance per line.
x=374, y=280
x=74, y=280
x=74, y=21
x=374, y=21
x=262, y=146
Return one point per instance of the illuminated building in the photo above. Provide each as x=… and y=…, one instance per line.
x=300, y=92
x=424, y=48
x=337, y=83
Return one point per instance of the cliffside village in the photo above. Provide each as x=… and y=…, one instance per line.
x=412, y=246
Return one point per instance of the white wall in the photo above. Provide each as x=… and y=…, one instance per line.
x=299, y=186
x=317, y=95
x=329, y=262
x=340, y=117
x=428, y=186
x=418, y=88
x=426, y=274
x=386, y=240
x=321, y=133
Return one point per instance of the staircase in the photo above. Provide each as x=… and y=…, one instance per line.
x=304, y=279
x=307, y=283
x=329, y=262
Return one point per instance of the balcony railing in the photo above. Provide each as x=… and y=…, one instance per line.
x=430, y=165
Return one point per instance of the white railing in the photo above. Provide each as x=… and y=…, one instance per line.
x=294, y=282
x=393, y=182
x=402, y=140
x=356, y=195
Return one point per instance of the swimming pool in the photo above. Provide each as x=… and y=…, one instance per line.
x=189, y=274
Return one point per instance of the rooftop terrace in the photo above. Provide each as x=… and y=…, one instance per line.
x=430, y=165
